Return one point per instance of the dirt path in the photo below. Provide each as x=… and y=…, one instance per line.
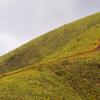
x=26, y=68
x=86, y=52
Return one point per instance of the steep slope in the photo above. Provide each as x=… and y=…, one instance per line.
x=63, y=64
x=53, y=42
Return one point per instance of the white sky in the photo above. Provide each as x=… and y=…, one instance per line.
x=22, y=20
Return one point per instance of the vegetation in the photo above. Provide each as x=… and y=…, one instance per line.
x=63, y=64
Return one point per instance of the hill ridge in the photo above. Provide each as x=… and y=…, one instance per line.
x=47, y=44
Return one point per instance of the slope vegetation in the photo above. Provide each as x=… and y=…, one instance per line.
x=63, y=64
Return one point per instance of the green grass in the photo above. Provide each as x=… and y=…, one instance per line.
x=35, y=85
x=60, y=65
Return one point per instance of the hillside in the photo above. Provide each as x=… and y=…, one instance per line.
x=63, y=64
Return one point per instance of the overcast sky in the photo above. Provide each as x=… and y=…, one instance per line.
x=22, y=20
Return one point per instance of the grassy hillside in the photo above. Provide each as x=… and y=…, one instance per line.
x=63, y=64
x=53, y=42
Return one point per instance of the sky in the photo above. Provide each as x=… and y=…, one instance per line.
x=23, y=20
